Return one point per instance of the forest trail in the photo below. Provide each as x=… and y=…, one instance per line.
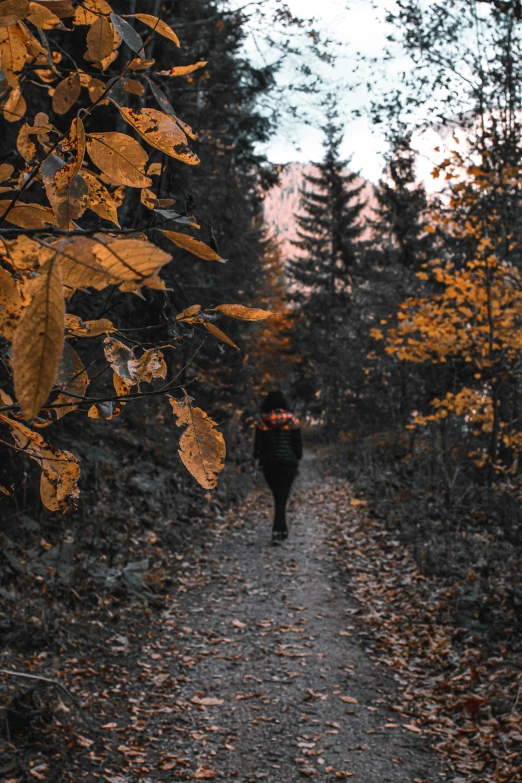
x=255, y=671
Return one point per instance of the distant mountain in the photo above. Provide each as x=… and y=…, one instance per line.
x=282, y=202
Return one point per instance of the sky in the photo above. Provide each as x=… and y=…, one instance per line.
x=362, y=29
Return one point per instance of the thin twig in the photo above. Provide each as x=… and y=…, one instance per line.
x=51, y=681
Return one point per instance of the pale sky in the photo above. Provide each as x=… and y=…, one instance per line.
x=361, y=28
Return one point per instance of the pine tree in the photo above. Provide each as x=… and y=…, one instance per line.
x=398, y=233
x=329, y=231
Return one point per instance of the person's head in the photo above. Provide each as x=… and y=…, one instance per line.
x=274, y=400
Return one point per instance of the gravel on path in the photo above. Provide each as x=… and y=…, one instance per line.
x=255, y=670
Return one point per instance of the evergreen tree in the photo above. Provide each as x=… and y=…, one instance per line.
x=398, y=236
x=329, y=245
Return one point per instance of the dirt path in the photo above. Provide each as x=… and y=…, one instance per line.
x=256, y=671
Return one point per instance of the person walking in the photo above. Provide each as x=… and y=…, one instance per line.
x=278, y=447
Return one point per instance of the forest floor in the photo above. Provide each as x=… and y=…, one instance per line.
x=262, y=662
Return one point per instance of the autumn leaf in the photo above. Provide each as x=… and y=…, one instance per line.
x=10, y=304
x=78, y=328
x=6, y=171
x=100, y=40
x=84, y=14
x=121, y=359
x=12, y=53
x=130, y=259
x=194, y=246
x=15, y=106
x=100, y=200
x=159, y=26
x=38, y=341
x=189, y=312
x=17, y=9
x=184, y=70
x=60, y=469
x=66, y=93
x=243, y=313
x=202, y=446
x=28, y=215
x=220, y=335
x=79, y=265
x=162, y=132
x=42, y=17
x=120, y=157
x=73, y=379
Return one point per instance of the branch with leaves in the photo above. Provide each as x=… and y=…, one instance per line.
x=60, y=230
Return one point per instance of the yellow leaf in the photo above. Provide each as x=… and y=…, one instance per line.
x=220, y=335
x=120, y=157
x=72, y=199
x=60, y=469
x=62, y=8
x=162, y=132
x=101, y=201
x=84, y=13
x=72, y=377
x=190, y=311
x=38, y=341
x=5, y=171
x=28, y=215
x=244, y=313
x=78, y=328
x=10, y=304
x=134, y=87
x=18, y=9
x=121, y=386
x=15, y=106
x=100, y=40
x=12, y=53
x=24, y=145
x=130, y=259
x=105, y=410
x=148, y=198
x=42, y=17
x=65, y=176
x=66, y=93
x=79, y=265
x=183, y=70
x=24, y=253
x=159, y=26
x=121, y=359
x=201, y=446
x=151, y=364
x=194, y=246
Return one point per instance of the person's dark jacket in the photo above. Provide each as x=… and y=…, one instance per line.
x=278, y=439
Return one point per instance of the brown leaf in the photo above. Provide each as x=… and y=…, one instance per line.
x=28, y=215
x=184, y=70
x=42, y=17
x=62, y=8
x=38, y=341
x=84, y=15
x=10, y=304
x=189, y=312
x=79, y=265
x=15, y=106
x=66, y=93
x=18, y=9
x=70, y=200
x=78, y=328
x=202, y=446
x=120, y=157
x=5, y=171
x=159, y=26
x=349, y=699
x=12, y=52
x=100, y=40
x=207, y=701
x=242, y=312
x=205, y=773
x=100, y=200
x=60, y=469
x=194, y=246
x=162, y=132
x=72, y=377
x=130, y=259
x=220, y=335
x=121, y=359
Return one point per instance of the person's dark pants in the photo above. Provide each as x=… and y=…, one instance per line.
x=280, y=478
